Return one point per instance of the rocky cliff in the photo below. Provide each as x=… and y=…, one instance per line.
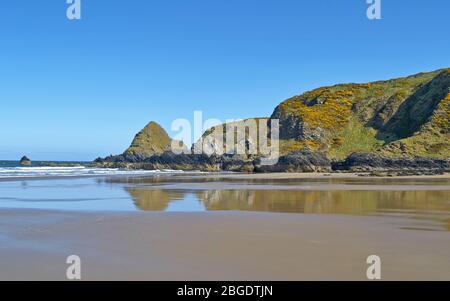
x=407, y=116
x=228, y=137
x=400, y=125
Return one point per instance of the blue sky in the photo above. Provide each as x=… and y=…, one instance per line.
x=75, y=90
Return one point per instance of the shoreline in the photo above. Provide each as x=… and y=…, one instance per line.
x=236, y=175
x=325, y=175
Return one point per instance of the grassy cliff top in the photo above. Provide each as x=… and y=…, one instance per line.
x=394, y=117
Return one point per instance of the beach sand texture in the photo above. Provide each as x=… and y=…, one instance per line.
x=233, y=244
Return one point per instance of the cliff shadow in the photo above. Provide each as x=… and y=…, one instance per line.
x=416, y=110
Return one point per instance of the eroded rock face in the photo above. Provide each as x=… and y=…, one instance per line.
x=25, y=161
x=239, y=137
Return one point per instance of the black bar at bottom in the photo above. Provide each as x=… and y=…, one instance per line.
x=213, y=289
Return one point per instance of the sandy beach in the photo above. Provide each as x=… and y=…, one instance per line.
x=223, y=246
x=248, y=227
x=249, y=176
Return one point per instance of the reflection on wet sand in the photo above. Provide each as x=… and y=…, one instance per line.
x=153, y=200
x=422, y=206
x=335, y=202
x=221, y=178
x=341, y=202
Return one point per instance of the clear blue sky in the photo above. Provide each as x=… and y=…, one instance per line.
x=75, y=90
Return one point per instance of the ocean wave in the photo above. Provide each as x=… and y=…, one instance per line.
x=79, y=171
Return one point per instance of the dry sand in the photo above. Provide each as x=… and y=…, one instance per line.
x=216, y=246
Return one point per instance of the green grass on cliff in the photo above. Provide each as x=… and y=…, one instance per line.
x=407, y=116
x=355, y=137
x=152, y=139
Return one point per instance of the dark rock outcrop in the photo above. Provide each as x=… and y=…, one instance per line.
x=167, y=160
x=25, y=161
x=366, y=162
x=299, y=161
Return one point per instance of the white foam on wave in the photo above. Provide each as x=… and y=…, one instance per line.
x=43, y=168
x=25, y=172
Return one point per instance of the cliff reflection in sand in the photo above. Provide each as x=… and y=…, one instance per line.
x=421, y=206
x=153, y=200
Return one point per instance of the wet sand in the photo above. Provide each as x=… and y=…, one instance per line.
x=315, y=175
x=215, y=246
x=327, y=228
x=245, y=176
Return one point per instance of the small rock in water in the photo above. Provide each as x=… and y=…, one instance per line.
x=25, y=161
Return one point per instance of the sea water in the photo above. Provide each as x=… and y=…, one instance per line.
x=13, y=169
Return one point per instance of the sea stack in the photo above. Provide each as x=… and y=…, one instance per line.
x=25, y=161
x=153, y=140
